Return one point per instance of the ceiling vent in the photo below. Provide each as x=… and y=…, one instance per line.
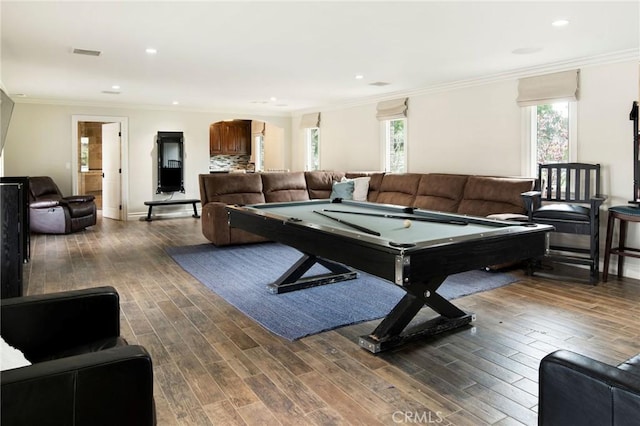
x=87, y=52
x=110, y=92
x=379, y=83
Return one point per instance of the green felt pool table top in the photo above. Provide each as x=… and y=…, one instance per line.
x=392, y=230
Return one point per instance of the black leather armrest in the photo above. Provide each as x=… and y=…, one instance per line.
x=79, y=198
x=575, y=389
x=110, y=387
x=41, y=324
x=44, y=204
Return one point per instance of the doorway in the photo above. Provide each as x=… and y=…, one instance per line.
x=99, y=157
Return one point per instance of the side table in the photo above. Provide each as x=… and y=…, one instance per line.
x=624, y=214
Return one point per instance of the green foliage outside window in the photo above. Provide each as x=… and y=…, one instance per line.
x=314, y=149
x=553, y=133
x=397, y=146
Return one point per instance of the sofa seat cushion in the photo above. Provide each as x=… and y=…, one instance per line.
x=398, y=189
x=284, y=187
x=441, y=192
x=81, y=209
x=562, y=212
x=485, y=195
x=319, y=183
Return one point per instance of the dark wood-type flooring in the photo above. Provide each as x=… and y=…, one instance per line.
x=214, y=365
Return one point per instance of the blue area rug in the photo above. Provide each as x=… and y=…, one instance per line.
x=239, y=274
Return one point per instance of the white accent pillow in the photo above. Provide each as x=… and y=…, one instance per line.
x=11, y=357
x=360, y=187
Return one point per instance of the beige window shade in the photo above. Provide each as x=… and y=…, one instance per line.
x=310, y=120
x=544, y=89
x=393, y=109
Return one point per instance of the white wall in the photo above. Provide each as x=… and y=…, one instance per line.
x=478, y=130
x=39, y=142
x=475, y=130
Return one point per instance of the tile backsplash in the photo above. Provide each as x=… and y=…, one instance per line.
x=229, y=162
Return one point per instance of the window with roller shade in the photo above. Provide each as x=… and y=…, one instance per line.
x=393, y=124
x=310, y=123
x=550, y=103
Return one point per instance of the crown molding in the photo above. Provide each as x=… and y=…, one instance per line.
x=609, y=58
x=150, y=107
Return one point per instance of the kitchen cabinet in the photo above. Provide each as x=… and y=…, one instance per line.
x=230, y=138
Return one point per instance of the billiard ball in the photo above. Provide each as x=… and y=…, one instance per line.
x=406, y=223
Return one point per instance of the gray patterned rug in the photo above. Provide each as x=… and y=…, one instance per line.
x=239, y=274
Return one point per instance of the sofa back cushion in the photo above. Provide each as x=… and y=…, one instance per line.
x=283, y=187
x=232, y=188
x=440, y=192
x=399, y=189
x=43, y=187
x=319, y=183
x=485, y=195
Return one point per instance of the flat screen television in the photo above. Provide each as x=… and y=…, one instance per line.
x=6, y=109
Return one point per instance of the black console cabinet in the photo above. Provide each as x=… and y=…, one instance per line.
x=24, y=216
x=11, y=239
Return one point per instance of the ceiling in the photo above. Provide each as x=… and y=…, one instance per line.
x=286, y=56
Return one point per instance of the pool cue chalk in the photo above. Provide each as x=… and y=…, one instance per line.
x=406, y=223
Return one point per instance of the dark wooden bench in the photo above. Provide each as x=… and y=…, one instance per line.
x=151, y=204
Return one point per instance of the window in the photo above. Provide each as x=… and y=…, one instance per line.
x=552, y=136
x=312, y=142
x=258, y=153
x=395, y=145
x=84, y=154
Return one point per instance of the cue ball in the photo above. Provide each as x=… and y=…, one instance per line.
x=406, y=223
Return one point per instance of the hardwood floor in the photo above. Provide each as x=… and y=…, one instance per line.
x=213, y=365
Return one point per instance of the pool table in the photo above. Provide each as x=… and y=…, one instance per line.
x=412, y=248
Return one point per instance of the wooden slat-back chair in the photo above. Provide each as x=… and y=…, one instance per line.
x=568, y=197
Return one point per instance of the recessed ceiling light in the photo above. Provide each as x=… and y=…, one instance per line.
x=115, y=87
x=526, y=50
x=151, y=51
x=273, y=99
x=175, y=103
x=560, y=23
x=359, y=76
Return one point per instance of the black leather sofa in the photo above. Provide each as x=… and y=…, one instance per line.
x=83, y=372
x=52, y=213
x=577, y=390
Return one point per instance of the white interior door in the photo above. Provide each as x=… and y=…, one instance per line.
x=111, y=171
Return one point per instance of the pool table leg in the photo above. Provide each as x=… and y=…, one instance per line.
x=292, y=279
x=389, y=332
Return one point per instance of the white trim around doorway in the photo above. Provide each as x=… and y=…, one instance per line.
x=124, y=153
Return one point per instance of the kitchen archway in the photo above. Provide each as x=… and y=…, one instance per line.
x=245, y=145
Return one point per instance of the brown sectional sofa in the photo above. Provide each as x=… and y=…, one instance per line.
x=463, y=194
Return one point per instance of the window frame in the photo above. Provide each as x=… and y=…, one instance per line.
x=309, y=160
x=385, y=132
